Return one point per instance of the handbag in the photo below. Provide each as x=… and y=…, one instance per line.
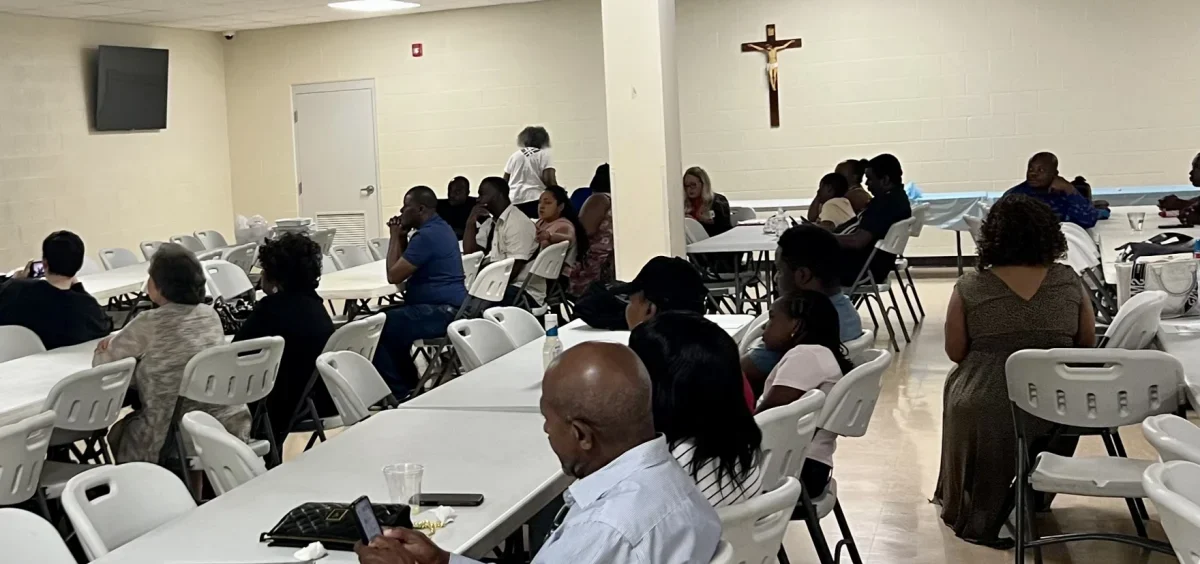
x=1177, y=278
x=330, y=523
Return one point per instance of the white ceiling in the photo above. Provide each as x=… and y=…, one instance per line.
x=217, y=15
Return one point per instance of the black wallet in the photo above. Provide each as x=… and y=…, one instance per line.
x=330, y=523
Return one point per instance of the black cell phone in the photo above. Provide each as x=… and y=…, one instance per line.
x=449, y=500
x=37, y=269
x=364, y=517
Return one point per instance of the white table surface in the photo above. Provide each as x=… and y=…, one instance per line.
x=115, y=282
x=740, y=239
x=504, y=456
x=1115, y=231
x=513, y=382
x=25, y=382
x=363, y=282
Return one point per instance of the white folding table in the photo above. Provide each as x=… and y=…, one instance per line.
x=1115, y=232
x=504, y=456
x=358, y=286
x=116, y=282
x=1181, y=338
x=25, y=382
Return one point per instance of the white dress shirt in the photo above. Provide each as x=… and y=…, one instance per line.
x=640, y=508
x=516, y=237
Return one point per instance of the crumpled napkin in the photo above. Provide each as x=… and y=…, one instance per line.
x=312, y=552
x=433, y=520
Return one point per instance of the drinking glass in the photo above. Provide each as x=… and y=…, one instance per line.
x=404, y=483
x=1137, y=220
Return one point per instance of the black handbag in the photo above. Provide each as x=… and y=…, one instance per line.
x=330, y=523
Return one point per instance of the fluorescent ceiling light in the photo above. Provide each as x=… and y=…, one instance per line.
x=374, y=5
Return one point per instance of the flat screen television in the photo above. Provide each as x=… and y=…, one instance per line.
x=131, y=89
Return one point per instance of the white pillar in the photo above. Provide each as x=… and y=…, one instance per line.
x=642, y=92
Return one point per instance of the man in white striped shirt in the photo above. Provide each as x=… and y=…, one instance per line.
x=632, y=502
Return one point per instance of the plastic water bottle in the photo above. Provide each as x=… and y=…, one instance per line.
x=552, y=347
x=1196, y=249
x=776, y=223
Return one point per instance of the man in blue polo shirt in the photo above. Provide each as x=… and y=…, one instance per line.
x=431, y=266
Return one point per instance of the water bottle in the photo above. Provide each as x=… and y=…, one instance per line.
x=776, y=223
x=1196, y=249
x=552, y=347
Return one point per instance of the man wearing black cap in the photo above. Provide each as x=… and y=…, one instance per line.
x=664, y=284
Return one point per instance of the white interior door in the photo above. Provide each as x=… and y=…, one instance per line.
x=336, y=157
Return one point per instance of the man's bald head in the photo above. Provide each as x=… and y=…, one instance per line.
x=1042, y=170
x=596, y=399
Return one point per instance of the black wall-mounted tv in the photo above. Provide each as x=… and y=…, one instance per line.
x=131, y=89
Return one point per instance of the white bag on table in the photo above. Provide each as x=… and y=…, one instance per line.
x=1174, y=274
x=251, y=230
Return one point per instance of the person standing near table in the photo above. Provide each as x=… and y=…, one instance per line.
x=530, y=169
x=430, y=266
x=1043, y=183
x=631, y=501
x=56, y=307
x=456, y=208
x=505, y=233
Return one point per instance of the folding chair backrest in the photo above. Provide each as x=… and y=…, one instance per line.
x=786, y=432
x=324, y=238
x=549, y=263
x=350, y=256
x=117, y=258
x=242, y=256
x=738, y=215
x=228, y=462
x=149, y=248
x=1072, y=230
x=226, y=280
x=233, y=374
x=520, y=325
x=974, y=227
x=1065, y=386
x=492, y=281
x=140, y=498
x=478, y=342
x=897, y=237
x=1136, y=323
x=755, y=527
x=724, y=554
x=1174, y=437
x=360, y=336
x=1174, y=487
x=28, y=537
x=327, y=265
x=211, y=239
x=22, y=452
x=378, y=247
x=189, y=242
x=693, y=231
x=89, y=266
x=208, y=255
x=91, y=399
x=471, y=264
x=17, y=341
x=851, y=401
x=754, y=331
x=920, y=213
x=1085, y=243
x=855, y=348
x=353, y=383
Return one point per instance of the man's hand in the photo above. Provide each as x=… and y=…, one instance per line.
x=395, y=228
x=1172, y=203
x=480, y=212
x=1061, y=186
x=25, y=272
x=418, y=546
x=383, y=551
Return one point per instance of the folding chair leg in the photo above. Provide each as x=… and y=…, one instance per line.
x=1019, y=536
x=887, y=322
x=916, y=296
x=276, y=454
x=43, y=505
x=871, y=311
x=904, y=289
x=1138, y=524
x=184, y=473
x=847, y=538
x=1116, y=448
x=899, y=318
x=1030, y=525
x=814, y=529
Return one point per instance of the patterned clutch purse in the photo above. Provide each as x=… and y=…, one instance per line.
x=330, y=523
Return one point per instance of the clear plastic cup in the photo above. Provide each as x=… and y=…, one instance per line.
x=1137, y=220
x=404, y=483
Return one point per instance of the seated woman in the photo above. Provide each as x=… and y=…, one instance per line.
x=831, y=208
x=557, y=222
x=703, y=205
x=1019, y=299
x=291, y=269
x=595, y=216
x=698, y=404
x=853, y=170
x=805, y=323
x=163, y=340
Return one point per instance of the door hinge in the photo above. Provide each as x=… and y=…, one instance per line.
x=301, y=185
x=295, y=116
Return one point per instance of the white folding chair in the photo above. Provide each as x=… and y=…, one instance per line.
x=226, y=281
x=866, y=288
x=974, y=227
x=1136, y=323
x=17, y=341
x=89, y=266
x=491, y=282
x=227, y=461
x=908, y=288
x=1174, y=437
x=1174, y=487
x=28, y=538
x=361, y=337
x=786, y=432
x=693, y=231
x=22, y=452
x=189, y=242
x=547, y=265
x=520, y=325
x=1072, y=230
x=1099, y=389
x=856, y=347
x=209, y=255
x=350, y=256
x=478, y=342
x=149, y=248
x=140, y=497
x=755, y=527
x=379, y=247
x=327, y=265
x=324, y=238
x=724, y=554
x=1084, y=258
x=738, y=215
x=211, y=239
x=754, y=332
x=471, y=264
x=353, y=383
x=117, y=258
x=241, y=255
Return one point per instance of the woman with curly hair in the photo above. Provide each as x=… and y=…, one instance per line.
x=291, y=269
x=1020, y=298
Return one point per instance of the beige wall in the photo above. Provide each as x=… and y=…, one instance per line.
x=114, y=189
x=486, y=73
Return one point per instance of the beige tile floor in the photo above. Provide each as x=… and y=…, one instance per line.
x=886, y=477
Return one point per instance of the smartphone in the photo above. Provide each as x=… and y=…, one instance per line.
x=37, y=269
x=448, y=499
x=364, y=517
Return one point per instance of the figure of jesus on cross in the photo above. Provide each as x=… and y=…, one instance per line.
x=771, y=48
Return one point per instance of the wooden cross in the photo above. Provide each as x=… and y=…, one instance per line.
x=771, y=48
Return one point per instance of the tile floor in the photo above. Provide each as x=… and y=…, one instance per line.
x=887, y=477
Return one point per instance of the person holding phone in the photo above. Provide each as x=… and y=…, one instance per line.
x=55, y=306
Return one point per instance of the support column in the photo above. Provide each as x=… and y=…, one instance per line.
x=642, y=93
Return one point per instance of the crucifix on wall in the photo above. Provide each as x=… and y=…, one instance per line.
x=771, y=48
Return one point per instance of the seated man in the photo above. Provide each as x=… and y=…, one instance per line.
x=889, y=206
x=1043, y=183
x=831, y=208
x=631, y=501
x=807, y=259
x=664, y=284
x=506, y=233
x=1175, y=203
x=456, y=208
x=430, y=266
x=57, y=307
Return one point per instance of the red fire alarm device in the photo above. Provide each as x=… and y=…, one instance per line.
x=418, y=50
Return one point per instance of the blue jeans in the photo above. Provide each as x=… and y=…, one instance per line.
x=406, y=324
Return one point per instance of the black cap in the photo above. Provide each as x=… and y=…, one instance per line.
x=671, y=283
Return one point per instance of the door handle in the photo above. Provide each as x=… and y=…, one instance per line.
x=367, y=191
